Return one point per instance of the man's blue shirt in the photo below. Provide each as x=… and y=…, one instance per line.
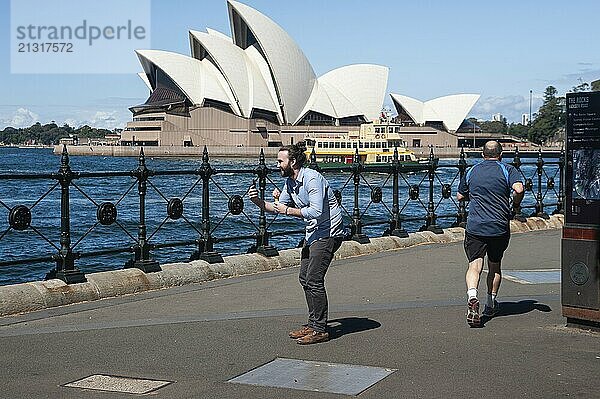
x=488, y=185
x=311, y=193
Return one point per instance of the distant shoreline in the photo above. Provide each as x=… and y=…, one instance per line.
x=24, y=146
x=167, y=151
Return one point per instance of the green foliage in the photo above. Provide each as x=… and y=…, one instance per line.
x=518, y=130
x=48, y=134
x=596, y=85
x=549, y=119
x=492, y=126
x=514, y=129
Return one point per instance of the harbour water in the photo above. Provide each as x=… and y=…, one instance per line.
x=43, y=197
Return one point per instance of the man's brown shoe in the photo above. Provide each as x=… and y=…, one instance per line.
x=301, y=332
x=313, y=338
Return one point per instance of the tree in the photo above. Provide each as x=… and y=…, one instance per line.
x=492, y=126
x=583, y=86
x=518, y=130
x=550, y=117
x=47, y=134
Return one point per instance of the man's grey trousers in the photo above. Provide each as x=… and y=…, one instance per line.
x=313, y=265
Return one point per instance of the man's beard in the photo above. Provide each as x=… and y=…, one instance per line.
x=287, y=172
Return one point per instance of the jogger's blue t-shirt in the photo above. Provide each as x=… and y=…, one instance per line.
x=489, y=185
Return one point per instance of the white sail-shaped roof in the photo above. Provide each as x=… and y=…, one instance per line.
x=430, y=114
x=322, y=102
x=451, y=110
x=349, y=91
x=327, y=100
x=243, y=76
x=412, y=106
x=293, y=75
x=217, y=33
x=318, y=101
x=261, y=68
x=341, y=104
x=214, y=72
x=144, y=77
x=454, y=109
x=197, y=80
x=363, y=84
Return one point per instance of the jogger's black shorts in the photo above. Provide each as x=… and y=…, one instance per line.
x=478, y=246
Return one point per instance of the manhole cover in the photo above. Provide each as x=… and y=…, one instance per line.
x=100, y=382
x=542, y=276
x=348, y=379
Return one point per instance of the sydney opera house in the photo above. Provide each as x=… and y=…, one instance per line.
x=257, y=88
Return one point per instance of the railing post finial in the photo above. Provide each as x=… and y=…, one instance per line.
x=64, y=157
x=65, y=258
x=262, y=238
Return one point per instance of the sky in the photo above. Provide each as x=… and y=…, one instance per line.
x=500, y=50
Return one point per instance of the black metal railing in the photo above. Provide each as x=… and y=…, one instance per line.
x=210, y=208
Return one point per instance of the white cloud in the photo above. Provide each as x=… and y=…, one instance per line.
x=22, y=117
x=99, y=119
x=584, y=75
x=105, y=118
x=512, y=107
x=71, y=122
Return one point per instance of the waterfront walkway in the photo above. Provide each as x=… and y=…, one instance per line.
x=401, y=310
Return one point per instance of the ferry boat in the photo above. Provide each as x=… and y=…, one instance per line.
x=373, y=149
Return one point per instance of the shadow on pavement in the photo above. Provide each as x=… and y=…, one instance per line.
x=349, y=325
x=516, y=308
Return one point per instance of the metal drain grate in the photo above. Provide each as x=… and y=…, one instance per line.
x=542, y=276
x=101, y=382
x=307, y=375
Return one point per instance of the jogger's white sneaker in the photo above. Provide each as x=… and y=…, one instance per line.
x=473, y=313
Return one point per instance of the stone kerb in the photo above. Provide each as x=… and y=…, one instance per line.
x=28, y=297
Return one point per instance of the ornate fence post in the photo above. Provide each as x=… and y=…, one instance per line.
x=560, y=205
x=206, y=250
x=65, y=258
x=539, y=201
x=430, y=223
x=142, y=258
x=262, y=238
x=356, y=226
x=518, y=213
x=461, y=216
x=395, y=223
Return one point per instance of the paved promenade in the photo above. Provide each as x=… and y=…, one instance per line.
x=401, y=310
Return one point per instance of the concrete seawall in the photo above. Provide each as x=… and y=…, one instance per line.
x=213, y=151
x=168, y=152
x=28, y=297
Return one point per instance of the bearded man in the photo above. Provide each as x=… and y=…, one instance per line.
x=307, y=195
